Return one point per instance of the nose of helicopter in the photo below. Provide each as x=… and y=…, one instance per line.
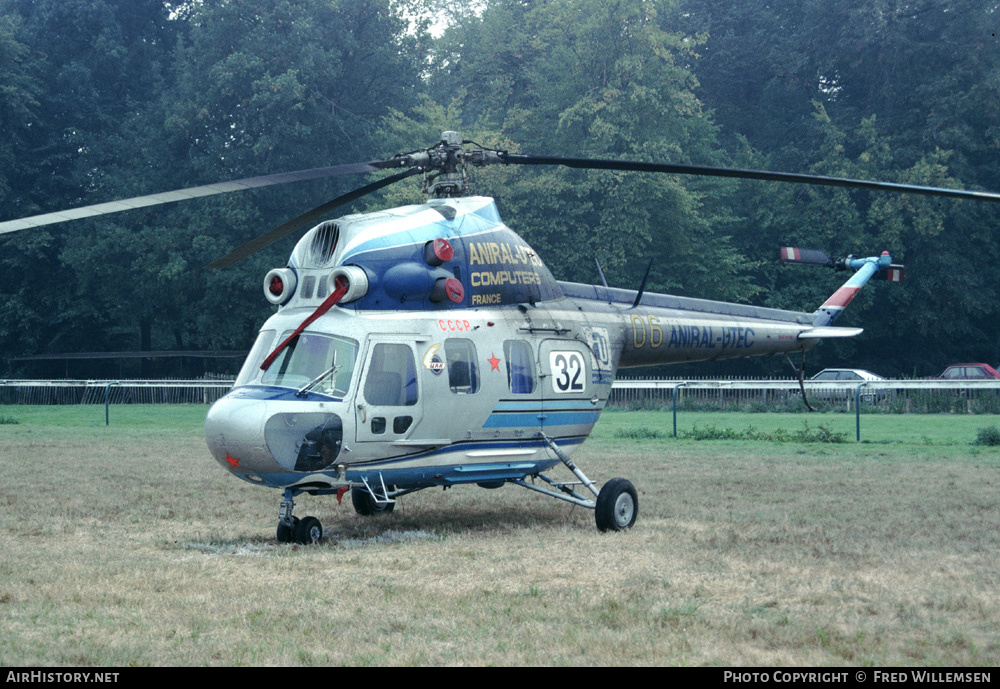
x=259, y=439
x=234, y=431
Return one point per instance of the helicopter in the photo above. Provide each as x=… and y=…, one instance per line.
x=430, y=346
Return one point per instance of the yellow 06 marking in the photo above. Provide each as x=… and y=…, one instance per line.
x=646, y=331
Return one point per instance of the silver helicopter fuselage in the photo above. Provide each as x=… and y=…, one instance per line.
x=443, y=366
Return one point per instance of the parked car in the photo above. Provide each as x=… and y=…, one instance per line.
x=857, y=374
x=969, y=372
x=841, y=375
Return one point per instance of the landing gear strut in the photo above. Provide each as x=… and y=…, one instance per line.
x=617, y=503
x=372, y=500
x=294, y=530
x=368, y=505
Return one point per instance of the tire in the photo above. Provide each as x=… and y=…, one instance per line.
x=617, y=505
x=308, y=531
x=366, y=505
x=286, y=534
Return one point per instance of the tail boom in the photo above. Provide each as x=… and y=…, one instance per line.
x=865, y=269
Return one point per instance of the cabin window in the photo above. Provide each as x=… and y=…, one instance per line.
x=463, y=374
x=309, y=357
x=392, y=377
x=520, y=367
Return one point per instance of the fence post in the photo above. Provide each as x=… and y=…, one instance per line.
x=857, y=412
x=674, y=393
x=107, y=402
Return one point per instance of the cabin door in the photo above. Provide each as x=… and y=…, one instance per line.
x=388, y=405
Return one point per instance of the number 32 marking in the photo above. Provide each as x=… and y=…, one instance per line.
x=568, y=372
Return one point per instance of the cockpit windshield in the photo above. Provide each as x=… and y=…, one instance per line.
x=323, y=363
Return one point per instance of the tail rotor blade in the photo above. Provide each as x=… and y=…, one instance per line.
x=890, y=272
x=809, y=257
x=894, y=273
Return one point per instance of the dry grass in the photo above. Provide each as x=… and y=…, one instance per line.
x=128, y=546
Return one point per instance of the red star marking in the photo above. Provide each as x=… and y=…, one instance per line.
x=494, y=362
x=233, y=462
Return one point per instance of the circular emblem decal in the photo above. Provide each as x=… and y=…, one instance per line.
x=432, y=361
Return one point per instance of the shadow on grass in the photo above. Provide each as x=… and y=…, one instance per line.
x=346, y=529
x=464, y=518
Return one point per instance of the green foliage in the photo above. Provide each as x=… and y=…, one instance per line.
x=104, y=99
x=133, y=98
x=876, y=90
x=641, y=433
x=18, y=102
x=584, y=78
x=822, y=434
x=989, y=436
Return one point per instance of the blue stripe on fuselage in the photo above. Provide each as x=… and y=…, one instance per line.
x=544, y=419
x=559, y=405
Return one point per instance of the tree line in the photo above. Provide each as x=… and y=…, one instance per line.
x=104, y=99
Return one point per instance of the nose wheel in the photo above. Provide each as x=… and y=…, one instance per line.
x=286, y=532
x=294, y=530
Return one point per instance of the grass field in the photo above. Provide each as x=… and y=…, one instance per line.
x=127, y=545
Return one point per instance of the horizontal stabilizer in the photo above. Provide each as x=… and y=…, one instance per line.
x=829, y=331
x=809, y=257
x=893, y=273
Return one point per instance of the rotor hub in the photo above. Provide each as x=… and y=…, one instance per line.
x=450, y=180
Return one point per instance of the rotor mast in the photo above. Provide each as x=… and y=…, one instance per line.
x=450, y=179
x=444, y=165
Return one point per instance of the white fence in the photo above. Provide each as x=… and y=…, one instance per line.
x=900, y=396
x=112, y=391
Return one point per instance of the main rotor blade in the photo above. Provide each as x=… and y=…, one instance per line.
x=706, y=171
x=307, y=218
x=190, y=193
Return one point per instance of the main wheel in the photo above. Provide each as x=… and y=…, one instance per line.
x=366, y=505
x=286, y=534
x=308, y=531
x=617, y=505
